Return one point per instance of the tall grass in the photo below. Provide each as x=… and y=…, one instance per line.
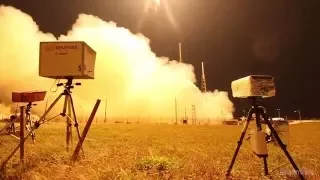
x=145, y=151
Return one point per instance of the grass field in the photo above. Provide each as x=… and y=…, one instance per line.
x=145, y=151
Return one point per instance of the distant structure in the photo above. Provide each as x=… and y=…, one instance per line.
x=185, y=119
x=176, y=110
x=203, y=80
x=180, y=53
x=194, y=120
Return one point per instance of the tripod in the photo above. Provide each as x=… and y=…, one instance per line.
x=259, y=111
x=29, y=121
x=68, y=105
x=11, y=128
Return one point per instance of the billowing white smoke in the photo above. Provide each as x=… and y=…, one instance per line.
x=4, y=112
x=128, y=74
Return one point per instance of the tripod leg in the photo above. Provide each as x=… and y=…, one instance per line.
x=7, y=127
x=33, y=135
x=283, y=147
x=13, y=128
x=68, y=124
x=243, y=133
x=50, y=108
x=76, y=125
x=265, y=164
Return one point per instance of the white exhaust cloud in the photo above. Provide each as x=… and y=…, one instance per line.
x=128, y=74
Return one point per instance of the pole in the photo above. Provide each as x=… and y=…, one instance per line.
x=298, y=111
x=45, y=109
x=180, y=53
x=175, y=100
x=22, y=127
x=105, y=111
x=67, y=107
x=85, y=131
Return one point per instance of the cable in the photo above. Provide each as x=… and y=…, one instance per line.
x=279, y=167
x=53, y=91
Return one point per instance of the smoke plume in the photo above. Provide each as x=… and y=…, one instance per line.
x=129, y=78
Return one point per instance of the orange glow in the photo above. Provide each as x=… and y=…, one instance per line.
x=134, y=80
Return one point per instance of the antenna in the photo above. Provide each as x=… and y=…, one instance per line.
x=105, y=111
x=203, y=80
x=175, y=102
x=180, y=53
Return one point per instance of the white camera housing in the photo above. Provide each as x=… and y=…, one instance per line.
x=72, y=59
x=254, y=86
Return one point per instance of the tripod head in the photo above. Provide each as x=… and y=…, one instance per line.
x=29, y=106
x=255, y=100
x=69, y=85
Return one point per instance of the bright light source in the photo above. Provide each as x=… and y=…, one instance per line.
x=157, y=2
x=152, y=4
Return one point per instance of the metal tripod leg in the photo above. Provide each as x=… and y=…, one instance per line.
x=8, y=126
x=76, y=124
x=70, y=118
x=28, y=121
x=33, y=135
x=243, y=133
x=50, y=108
x=265, y=164
x=68, y=123
x=283, y=147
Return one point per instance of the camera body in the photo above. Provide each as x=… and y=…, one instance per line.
x=70, y=59
x=254, y=86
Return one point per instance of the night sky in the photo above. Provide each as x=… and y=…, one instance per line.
x=233, y=38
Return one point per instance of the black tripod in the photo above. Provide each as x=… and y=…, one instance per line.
x=259, y=111
x=11, y=128
x=29, y=121
x=68, y=104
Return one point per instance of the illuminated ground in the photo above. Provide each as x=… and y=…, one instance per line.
x=137, y=151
